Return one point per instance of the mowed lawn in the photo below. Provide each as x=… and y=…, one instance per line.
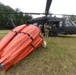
x=59, y=58
x=3, y=33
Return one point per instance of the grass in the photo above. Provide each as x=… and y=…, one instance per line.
x=58, y=59
x=3, y=33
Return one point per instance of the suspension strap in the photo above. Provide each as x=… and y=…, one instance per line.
x=27, y=34
x=32, y=46
x=14, y=32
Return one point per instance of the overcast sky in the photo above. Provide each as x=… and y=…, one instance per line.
x=57, y=7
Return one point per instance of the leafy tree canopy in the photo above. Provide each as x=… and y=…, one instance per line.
x=17, y=18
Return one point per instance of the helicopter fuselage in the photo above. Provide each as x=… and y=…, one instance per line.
x=61, y=26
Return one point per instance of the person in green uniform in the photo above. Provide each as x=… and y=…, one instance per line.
x=46, y=30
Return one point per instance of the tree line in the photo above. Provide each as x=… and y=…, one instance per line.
x=17, y=18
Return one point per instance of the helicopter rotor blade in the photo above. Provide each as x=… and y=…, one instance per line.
x=22, y=13
x=48, y=4
x=64, y=14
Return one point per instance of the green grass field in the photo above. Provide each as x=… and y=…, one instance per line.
x=3, y=33
x=59, y=58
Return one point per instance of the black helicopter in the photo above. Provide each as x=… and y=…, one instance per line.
x=56, y=25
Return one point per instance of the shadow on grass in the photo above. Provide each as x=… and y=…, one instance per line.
x=66, y=36
x=0, y=39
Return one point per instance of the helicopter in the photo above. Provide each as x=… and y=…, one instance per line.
x=56, y=25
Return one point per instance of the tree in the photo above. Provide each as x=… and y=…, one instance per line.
x=17, y=18
x=73, y=18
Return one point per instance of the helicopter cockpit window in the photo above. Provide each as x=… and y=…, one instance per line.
x=68, y=24
x=73, y=23
x=60, y=24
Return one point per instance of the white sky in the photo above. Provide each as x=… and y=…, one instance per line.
x=57, y=7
